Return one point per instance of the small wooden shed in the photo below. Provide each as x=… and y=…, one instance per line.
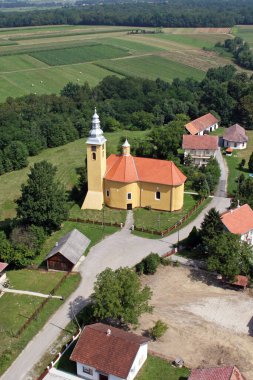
x=67, y=252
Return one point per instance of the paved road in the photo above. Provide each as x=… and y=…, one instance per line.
x=118, y=250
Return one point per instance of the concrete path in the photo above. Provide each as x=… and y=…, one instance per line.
x=121, y=249
x=27, y=292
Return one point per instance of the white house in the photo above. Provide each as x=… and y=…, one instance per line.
x=235, y=137
x=203, y=124
x=3, y=278
x=107, y=353
x=200, y=148
x=240, y=222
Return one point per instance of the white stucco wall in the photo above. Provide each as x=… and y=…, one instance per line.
x=140, y=358
x=230, y=144
x=212, y=127
x=199, y=156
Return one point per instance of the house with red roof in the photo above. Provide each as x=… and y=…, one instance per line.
x=222, y=373
x=108, y=353
x=125, y=182
x=235, y=137
x=204, y=124
x=239, y=221
x=200, y=148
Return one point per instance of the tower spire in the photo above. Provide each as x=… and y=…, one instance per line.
x=126, y=148
x=96, y=134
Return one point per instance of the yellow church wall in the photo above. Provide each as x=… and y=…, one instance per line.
x=143, y=195
x=118, y=194
x=96, y=168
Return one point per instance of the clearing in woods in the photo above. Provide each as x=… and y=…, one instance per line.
x=43, y=59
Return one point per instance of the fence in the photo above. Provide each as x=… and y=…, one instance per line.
x=59, y=355
x=41, y=306
x=92, y=221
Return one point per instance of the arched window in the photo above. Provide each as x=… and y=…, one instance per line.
x=94, y=156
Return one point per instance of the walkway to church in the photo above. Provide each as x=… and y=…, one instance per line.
x=121, y=249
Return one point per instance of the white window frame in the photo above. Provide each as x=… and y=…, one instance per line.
x=158, y=199
x=129, y=199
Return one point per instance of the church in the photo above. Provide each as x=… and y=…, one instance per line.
x=126, y=182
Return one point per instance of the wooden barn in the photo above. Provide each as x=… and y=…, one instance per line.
x=67, y=252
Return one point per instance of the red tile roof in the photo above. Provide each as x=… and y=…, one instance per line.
x=132, y=169
x=200, y=142
x=112, y=354
x=235, y=133
x=3, y=266
x=229, y=150
x=238, y=221
x=241, y=281
x=224, y=373
x=200, y=124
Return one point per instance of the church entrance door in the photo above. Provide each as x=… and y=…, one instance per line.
x=129, y=206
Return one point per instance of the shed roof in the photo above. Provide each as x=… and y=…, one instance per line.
x=72, y=246
x=200, y=124
x=238, y=221
x=222, y=373
x=200, y=142
x=129, y=169
x=111, y=353
x=3, y=266
x=235, y=133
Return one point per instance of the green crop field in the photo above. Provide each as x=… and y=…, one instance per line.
x=42, y=60
x=152, y=67
x=245, y=32
x=79, y=54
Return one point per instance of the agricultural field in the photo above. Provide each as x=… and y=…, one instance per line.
x=42, y=60
x=245, y=32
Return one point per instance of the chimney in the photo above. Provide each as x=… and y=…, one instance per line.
x=108, y=332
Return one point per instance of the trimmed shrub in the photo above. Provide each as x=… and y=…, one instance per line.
x=158, y=330
x=149, y=264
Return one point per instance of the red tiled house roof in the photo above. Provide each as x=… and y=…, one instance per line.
x=200, y=124
x=3, y=266
x=235, y=133
x=238, y=221
x=200, y=142
x=132, y=169
x=224, y=373
x=112, y=353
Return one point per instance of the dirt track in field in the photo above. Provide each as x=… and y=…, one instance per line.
x=208, y=325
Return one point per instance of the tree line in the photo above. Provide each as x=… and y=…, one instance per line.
x=240, y=50
x=183, y=13
x=32, y=123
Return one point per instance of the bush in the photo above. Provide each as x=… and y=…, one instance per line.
x=149, y=264
x=158, y=330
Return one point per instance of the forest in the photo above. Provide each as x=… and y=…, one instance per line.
x=32, y=123
x=182, y=13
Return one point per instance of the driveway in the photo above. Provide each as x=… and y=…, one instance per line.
x=121, y=249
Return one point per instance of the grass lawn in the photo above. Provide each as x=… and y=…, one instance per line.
x=107, y=215
x=34, y=280
x=151, y=67
x=68, y=158
x=161, y=220
x=14, y=311
x=133, y=46
x=156, y=368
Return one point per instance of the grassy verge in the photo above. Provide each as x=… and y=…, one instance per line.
x=15, y=309
x=107, y=215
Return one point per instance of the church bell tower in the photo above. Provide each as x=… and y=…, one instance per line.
x=96, y=166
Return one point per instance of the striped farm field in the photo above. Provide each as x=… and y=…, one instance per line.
x=42, y=60
x=151, y=67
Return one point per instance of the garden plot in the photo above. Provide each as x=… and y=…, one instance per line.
x=208, y=325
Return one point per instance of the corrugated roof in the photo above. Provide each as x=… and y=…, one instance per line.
x=200, y=142
x=112, y=353
x=238, y=221
x=72, y=246
x=235, y=133
x=224, y=373
x=132, y=169
x=200, y=124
